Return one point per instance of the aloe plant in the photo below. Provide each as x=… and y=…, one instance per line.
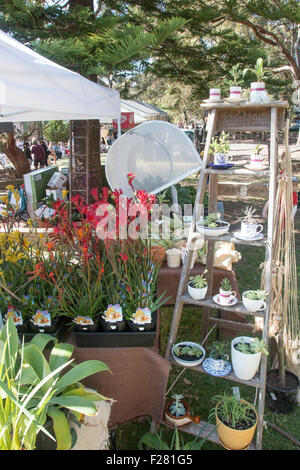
x=32, y=389
x=258, y=70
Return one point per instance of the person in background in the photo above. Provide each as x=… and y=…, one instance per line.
x=52, y=156
x=28, y=152
x=46, y=150
x=38, y=155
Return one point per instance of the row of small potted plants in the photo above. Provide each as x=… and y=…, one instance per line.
x=245, y=356
x=253, y=300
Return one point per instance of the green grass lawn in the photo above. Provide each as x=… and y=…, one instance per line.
x=200, y=388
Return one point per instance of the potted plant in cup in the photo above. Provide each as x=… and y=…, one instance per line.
x=226, y=295
x=235, y=90
x=257, y=91
x=250, y=229
x=212, y=226
x=220, y=148
x=254, y=300
x=236, y=421
x=246, y=355
x=177, y=412
x=219, y=355
x=256, y=160
x=188, y=353
x=197, y=286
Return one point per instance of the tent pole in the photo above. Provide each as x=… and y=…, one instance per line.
x=119, y=126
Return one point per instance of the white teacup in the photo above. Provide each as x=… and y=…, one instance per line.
x=250, y=230
x=256, y=160
x=235, y=93
x=253, y=305
x=226, y=297
x=222, y=158
x=215, y=94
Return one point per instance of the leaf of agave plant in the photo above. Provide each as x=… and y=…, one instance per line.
x=9, y=334
x=82, y=392
x=36, y=360
x=60, y=354
x=81, y=405
x=41, y=340
x=80, y=372
x=61, y=428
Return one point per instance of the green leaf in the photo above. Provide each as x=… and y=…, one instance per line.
x=34, y=357
x=60, y=354
x=61, y=428
x=41, y=340
x=81, y=371
x=81, y=392
x=81, y=405
x=153, y=441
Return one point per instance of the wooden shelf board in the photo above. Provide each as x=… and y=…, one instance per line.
x=231, y=377
x=209, y=303
x=202, y=430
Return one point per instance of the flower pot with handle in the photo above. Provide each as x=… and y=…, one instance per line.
x=235, y=439
x=235, y=93
x=250, y=230
x=258, y=92
x=180, y=420
x=196, y=294
x=244, y=365
x=253, y=305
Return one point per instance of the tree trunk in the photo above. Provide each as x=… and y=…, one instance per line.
x=89, y=164
x=16, y=156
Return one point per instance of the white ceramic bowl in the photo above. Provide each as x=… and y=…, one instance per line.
x=188, y=363
x=213, y=232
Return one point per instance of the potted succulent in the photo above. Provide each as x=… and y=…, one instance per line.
x=197, y=286
x=246, y=355
x=177, y=412
x=212, y=226
x=236, y=421
x=249, y=227
x=219, y=355
x=220, y=148
x=188, y=354
x=254, y=300
x=258, y=92
x=226, y=294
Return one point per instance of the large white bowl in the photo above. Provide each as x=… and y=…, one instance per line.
x=188, y=363
x=213, y=232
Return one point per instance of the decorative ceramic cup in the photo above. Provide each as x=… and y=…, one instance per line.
x=215, y=94
x=250, y=230
x=253, y=305
x=226, y=296
x=218, y=364
x=222, y=158
x=235, y=93
x=258, y=92
x=256, y=160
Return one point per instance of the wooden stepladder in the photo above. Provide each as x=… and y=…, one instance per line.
x=248, y=117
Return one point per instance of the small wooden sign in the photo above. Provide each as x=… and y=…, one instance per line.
x=247, y=119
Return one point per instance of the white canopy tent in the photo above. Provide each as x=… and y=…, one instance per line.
x=33, y=88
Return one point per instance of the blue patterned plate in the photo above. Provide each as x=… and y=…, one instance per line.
x=207, y=366
x=225, y=166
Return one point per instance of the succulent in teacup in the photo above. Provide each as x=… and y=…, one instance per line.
x=225, y=284
x=256, y=295
x=198, y=281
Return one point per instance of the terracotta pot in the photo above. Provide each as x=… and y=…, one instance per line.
x=181, y=420
x=235, y=439
x=158, y=254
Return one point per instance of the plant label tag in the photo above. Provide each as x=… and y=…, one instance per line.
x=273, y=396
x=236, y=393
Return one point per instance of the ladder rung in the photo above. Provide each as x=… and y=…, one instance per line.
x=227, y=237
x=233, y=325
x=252, y=383
x=238, y=171
x=208, y=302
x=203, y=430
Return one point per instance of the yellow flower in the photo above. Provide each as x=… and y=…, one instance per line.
x=64, y=193
x=4, y=199
x=10, y=187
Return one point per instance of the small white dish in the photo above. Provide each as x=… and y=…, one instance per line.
x=235, y=101
x=208, y=100
x=238, y=235
x=216, y=299
x=256, y=167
